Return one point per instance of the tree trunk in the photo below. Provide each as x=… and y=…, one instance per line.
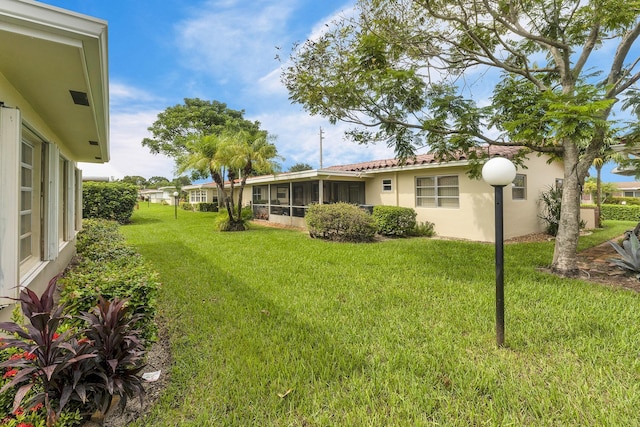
x=599, y=193
x=565, y=260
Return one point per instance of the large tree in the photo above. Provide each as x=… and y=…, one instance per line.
x=415, y=73
x=299, y=167
x=176, y=125
x=210, y=140
x=138, y=180
x=234, y=155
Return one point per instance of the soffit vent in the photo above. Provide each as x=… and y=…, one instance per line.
x=93, y=143
x=79, y=98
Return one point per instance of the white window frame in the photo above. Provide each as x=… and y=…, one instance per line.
x=387, y=185
x=516, y=188
x=436, y=196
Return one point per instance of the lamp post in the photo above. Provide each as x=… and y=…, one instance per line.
x=499, y=172
x=175, y=203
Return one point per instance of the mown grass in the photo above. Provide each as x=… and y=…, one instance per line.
x=271, y=328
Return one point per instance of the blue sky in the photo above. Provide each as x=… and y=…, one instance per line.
x=161, y=52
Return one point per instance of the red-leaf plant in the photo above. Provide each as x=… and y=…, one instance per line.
x=89, y=371
x=121, y=352
x=58, y=362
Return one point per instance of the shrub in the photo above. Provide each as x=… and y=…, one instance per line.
x=109, y=267
x=208, y=207
x=341, y=222
x=551, y=206
x=394, y=220
x=224, y=223
x=187, y=206
x=620, y=212
x=424, y=229
x=100, y=240
x=633, y=201
x=109, y=200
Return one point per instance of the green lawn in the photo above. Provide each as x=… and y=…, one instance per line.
x=271, y=328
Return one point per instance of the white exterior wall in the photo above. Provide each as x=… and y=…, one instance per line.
x=474, y=218
x=58, y=243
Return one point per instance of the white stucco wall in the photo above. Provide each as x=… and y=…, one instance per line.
x=474, y=218
x=60, y=247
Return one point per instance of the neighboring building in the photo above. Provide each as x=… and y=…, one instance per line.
x=625, y=189
x=440, y=193
x=54, y=112
x=160, y=195
x=201, y=193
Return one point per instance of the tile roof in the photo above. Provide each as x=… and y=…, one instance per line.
x=422, y=159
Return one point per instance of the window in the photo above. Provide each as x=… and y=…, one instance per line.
x=26, y=200
x=632, y=194
x=31, y=212
x=519, y=187
x=198, y=196
x=437, y=192
x=260, y=194
x=386, y=185
x=62, y=200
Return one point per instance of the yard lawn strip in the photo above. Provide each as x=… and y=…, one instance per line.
x=394, y=333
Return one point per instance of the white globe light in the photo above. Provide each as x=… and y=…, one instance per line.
x=175, y=194
x=499, y=171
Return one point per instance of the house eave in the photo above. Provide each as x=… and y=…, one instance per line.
x=45, y=53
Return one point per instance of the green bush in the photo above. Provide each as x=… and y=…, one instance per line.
x=340, y=222
x=551, y=207
x=424, y=229
x=208, y=207
x=223, y=222
x=109, y=200
x=187, y=206
x=394, y=220
x=623, y=201
x=109, y=267
x=620, y=212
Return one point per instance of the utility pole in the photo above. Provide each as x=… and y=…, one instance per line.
x=321, y=135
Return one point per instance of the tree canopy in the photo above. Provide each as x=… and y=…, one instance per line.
x=208, y=139
x=298, y=167
x=452, y=75
x=176, y=125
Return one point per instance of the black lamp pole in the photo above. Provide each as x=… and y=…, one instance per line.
x=175, y=203
x=499, y=172
x=499, y=265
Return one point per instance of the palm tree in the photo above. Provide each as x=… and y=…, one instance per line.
x=246, y=154
x=202, y=159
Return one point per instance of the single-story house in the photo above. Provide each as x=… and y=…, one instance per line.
x=159, y=195
x=625, y=189
x=201, y=193
x=54, y=112
x=440, y=192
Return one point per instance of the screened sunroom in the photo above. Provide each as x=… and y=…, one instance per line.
x=292, y=199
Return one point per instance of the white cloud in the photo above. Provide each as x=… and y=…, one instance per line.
x=298, y=140
x=133, y=110
x=234, y=40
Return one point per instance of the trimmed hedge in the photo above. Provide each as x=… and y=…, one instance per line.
x=623, y=201
x=394, y=220
x=340, y=222
x=620, y=212
x=207, y=207
x=109, y=267
x=109, y=200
